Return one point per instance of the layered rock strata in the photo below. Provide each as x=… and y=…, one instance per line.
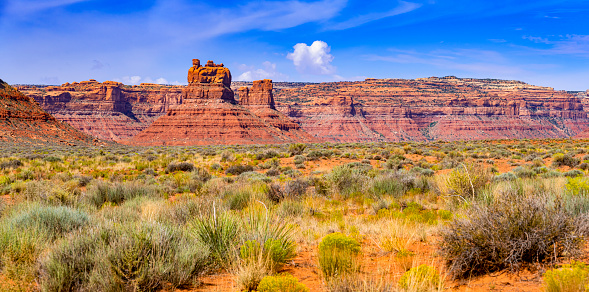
x=209, y=114
x=427, y=109
x=23, y=121
x=108, y=110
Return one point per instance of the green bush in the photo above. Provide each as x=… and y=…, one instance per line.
x=338, y=255
x=421, y=278
x=180, y=166
x=297, y=148
x=560, y=159
x=128, y=257
x=101, y=192
x=467, y=181
x=299, y=159
x=573, y=173
x=386, y=185
x=26, y=232
x=568, y=278
x=281, y=283
x=346, y=180
x=238, y=169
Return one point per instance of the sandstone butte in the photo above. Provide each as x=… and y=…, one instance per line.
x=424, y=109
x=209, y=114
x=427, y=109
x=24, y=122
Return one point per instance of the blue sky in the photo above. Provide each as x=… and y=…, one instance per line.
x=543, y=42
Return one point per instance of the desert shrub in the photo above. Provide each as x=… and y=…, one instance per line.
x=568, y=278
x=269, y=238
x=508, y=176
x=523, y=172
x=573, y=173
x=215, y=166
x=272, y=163
x=180, y=166
x=26, y=232
x=281, y=283
x=52, y=159
x=238, y=169
x=509, y=233
x=560, y=159
x=219, y=233
x=314, y=155
x=238, y=199
x=11, y=164
x=467, y=181
x=273, y=172
x=291, y=208
x=227, y=156
x=129, y=257
x=346, y=180
x=101, y=192
x=200, y=174
x=295, y=188
x=387, y=184
x=338, y=255
x=298, y=159
x=297, y=148
x=421, y=278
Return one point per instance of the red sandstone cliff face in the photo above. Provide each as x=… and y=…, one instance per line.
x=209, y=114
x=22, y=121
x=108, y=110
x=428, y=109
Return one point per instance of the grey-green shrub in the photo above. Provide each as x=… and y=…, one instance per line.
x=25, y=232
x=116, y=193
x=129, y=257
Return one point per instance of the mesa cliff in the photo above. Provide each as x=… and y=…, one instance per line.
x=108, y=110
x=23, y=121
x=428, y=109
x=424, y=109
x=209, y=114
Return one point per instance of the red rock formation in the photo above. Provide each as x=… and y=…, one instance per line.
x=108, y=110
x=259, y=95
x=427, y=109
x=209, y=114
x=259, y=100
x=22, y=121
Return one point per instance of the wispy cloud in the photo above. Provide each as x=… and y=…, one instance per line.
x=25, y=7
x=403, y=7
x=177, y=17
x=483, y=62
x=574, y=45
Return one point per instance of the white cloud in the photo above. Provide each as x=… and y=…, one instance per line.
x=313, y=59
x=269, y=72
